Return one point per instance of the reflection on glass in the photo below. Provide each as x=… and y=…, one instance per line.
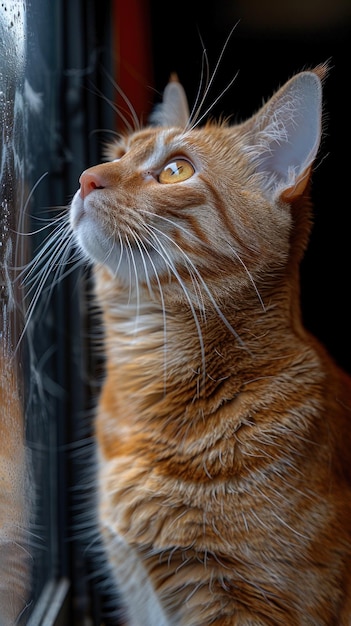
x=15, y=483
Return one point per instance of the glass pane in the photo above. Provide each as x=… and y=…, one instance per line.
x=50, y=108
x=29, y=552
x=16, y=490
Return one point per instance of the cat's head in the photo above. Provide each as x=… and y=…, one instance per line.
x=202, y=208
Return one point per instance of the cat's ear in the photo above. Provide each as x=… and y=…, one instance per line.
x=285, y=134
x=174, y=109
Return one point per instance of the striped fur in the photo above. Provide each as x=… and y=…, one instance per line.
x=223, y=427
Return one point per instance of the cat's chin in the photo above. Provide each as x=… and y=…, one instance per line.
x=90, y=237
x=76, y=210
x=125, y=264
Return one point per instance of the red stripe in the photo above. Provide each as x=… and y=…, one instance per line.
x=132, y=51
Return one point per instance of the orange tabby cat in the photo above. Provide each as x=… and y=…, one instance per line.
x=223, y=428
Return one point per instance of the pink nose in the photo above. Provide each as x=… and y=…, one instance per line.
x=89, y=181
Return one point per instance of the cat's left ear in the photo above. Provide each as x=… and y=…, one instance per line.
x=286, y=132
x=174, y=109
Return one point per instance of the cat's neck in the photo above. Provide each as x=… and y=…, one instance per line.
x=178, y=342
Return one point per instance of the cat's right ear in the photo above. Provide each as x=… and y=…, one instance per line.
x=174, y=109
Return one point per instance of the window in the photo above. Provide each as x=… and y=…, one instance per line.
x=54, y=61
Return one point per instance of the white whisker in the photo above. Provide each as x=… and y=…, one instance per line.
x=196, y=109
x=131, y=110
x=54, y=258
x=190, y=264
x=161, y=250
x=45, y=253
x=137, y=290
x=115, y=273
x=144, y=251
x=30, y=195
x=198, y=116
x=49, y=224
x=237, y=256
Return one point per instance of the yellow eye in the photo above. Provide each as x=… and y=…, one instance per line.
x=176, y=172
